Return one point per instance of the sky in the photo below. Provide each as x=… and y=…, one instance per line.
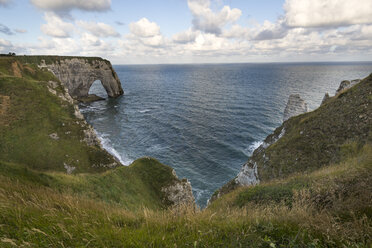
x=190, y=31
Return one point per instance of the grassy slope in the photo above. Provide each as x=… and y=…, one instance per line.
x=30, y=156
x=39, y=207
x=33, y=114
x=331, y=208
x=318, y=138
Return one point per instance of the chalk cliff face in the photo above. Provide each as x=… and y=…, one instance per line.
x=295, y=106
x=78, y=74
x=180, y=192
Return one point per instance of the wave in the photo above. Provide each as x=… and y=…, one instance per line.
x=106, y=144
x=144, y=111
x=252, y=147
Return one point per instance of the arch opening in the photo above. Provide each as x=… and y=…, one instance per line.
x=96, y=92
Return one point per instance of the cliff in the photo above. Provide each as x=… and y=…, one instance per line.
x=45, y=139
x=55, y=190
x=295, y=106
x=77, y=74
x=312, y=140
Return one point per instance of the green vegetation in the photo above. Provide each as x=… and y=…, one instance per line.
x=30, y=113
x=50, y=59
x=43, y=206
x=316, y=139
x=334, y=210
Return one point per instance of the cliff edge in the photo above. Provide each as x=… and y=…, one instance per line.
x=77, y=74
x=308, y=141
x=45, y=140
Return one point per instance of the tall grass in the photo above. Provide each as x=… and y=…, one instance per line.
x=37, y=216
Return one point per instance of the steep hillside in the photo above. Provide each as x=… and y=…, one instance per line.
x=46, y=141
x=312, y=140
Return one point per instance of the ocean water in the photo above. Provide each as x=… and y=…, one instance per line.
x=205, y=120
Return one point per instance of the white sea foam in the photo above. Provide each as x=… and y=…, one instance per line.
x=144, y=111
x=200, y=193
x=106, y=143
x=253, y=147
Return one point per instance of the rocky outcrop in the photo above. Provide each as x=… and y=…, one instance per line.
x=295, y=106
x=78, y=74
x=346, y=84
x=326, y=97
x=90, y=136
x=305, y=143
x=248, y=174
x=179, y=193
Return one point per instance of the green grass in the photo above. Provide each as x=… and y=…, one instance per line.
x=42, y=206
x=50, y=59
x=33, y=114
x=316, y=139
x=34, y=215
x=30, y=155
x=132, y=187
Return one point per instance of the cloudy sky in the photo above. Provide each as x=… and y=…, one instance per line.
x=190, y=31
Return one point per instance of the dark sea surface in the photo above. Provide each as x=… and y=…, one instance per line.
x=205, y=120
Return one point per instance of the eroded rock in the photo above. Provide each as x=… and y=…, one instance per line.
x=295, y=106
x=325, y=98
x=179, y=193
x=78, y=74
x=90, y=137
x=248, y=174
x=346, y=84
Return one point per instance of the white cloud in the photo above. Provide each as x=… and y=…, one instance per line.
x=206, y=20
x=68, y=5
x=327, y=13
x=213, y=36
x=144, y=28
x=271, y=31
x=185, y=37
x=56, y=27
x=154, y=41
x=5, y=43
x=98, y=29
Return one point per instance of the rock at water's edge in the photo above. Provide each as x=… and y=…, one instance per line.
x=179, y=193
x=295, y=106
x=325, y=98
x=346, y=84
x=78, y=74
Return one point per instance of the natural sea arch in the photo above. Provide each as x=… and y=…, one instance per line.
x=97, y=89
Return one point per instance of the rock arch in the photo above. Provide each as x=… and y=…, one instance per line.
x=78, y=75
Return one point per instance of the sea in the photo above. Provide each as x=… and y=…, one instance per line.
x=205, y=120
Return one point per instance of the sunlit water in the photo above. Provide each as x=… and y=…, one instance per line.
x=205, y=120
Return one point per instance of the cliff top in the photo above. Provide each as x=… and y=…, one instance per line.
x=49, y=59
